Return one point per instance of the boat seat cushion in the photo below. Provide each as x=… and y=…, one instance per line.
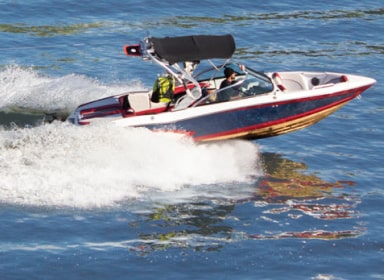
x=139, y=101
x=294, y=81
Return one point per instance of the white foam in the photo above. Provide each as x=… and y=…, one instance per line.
x=100, y=166
x=30, y=90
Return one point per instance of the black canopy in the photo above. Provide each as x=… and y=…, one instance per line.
x=194, y=48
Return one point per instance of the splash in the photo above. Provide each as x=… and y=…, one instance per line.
x=61, y=165
x=100, y=166
x=27, y=91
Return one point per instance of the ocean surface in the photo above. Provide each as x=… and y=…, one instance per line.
x=107, y=203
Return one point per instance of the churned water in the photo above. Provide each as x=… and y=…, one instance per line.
x=105, y=203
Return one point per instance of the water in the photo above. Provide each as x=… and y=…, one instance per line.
x=104, y=203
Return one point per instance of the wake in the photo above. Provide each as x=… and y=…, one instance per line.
x=27, y=91
x=62, y=165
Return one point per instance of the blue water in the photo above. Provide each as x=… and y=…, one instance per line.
x=105, y=203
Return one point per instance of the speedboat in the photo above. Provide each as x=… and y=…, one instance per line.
x=254, y=105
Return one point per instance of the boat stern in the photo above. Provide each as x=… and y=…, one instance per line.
x=102, y=108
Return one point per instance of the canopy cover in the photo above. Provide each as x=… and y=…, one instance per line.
x=194, y=48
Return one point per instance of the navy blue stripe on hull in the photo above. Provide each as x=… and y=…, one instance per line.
x=232, y=122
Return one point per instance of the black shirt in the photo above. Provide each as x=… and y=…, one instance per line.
x=225, y=94
x=225, y=83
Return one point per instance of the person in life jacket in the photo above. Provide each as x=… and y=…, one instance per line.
x=163, y=89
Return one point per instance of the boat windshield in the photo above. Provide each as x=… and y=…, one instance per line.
x=248, y=83
x=254, y=83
